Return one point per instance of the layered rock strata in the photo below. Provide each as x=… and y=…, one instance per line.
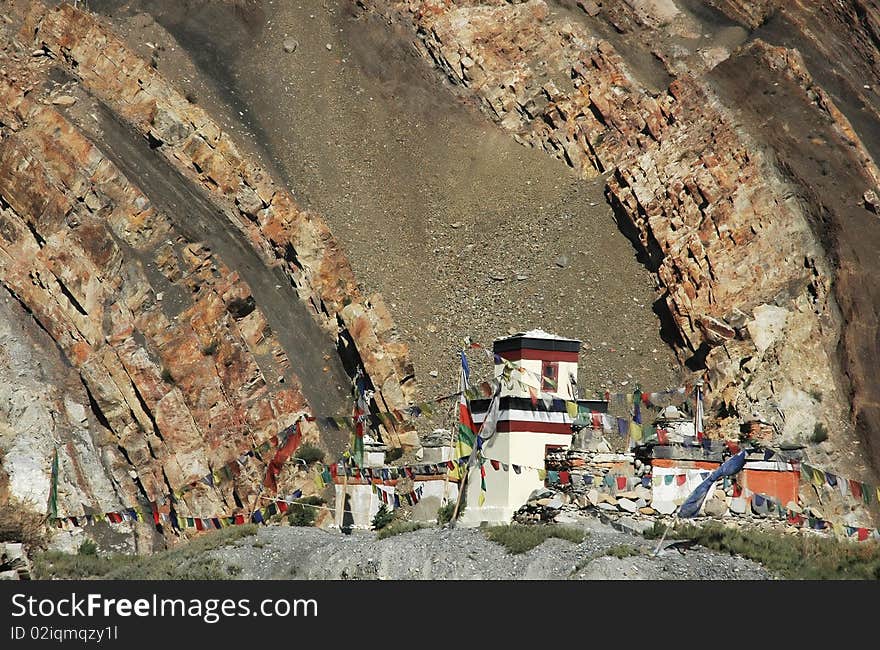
x=177, y=366
x=133, y=347
x=297, y=242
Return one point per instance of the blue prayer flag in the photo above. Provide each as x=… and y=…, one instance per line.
x=692, y=504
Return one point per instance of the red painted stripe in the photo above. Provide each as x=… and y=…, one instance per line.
x=539, y=355
x=534, y=426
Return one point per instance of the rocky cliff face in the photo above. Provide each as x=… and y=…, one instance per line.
x=166, y=305
x=762, y=297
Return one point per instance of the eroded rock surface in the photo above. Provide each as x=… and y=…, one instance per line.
x=133, y=343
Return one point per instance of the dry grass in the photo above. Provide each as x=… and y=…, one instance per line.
x=796, y=557
x=21, y=524
x=189, y=561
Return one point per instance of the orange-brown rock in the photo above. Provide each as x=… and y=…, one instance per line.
x=263, y=211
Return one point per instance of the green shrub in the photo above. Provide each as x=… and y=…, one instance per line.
x=88, y=547
x=383, y=517
x=309, y=454
x=622, y=550
x=444, y=513
x=167, y=376
x=398, y=527
x=210, y=348
x=395, y=453
x=820, y=433
x=300, y=514
x=518, y=538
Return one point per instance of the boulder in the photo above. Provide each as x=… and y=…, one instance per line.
x=715, y=508
x=627, y=505
x=663, y=507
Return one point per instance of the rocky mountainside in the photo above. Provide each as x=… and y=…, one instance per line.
x=132, y=346
x=689, y=187
x=739, y=162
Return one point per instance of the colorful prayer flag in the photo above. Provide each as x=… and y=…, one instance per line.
x=281, y=456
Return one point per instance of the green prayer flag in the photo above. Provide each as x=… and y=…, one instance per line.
x=53, y=492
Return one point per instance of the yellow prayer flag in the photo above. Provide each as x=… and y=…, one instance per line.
x=542, y=474
x=635, y=431
x=572, y=409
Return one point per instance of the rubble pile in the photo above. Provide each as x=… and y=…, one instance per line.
x=638, y=488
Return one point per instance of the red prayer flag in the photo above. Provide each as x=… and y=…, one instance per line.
x=680, y=479
x=855, y=489
x=621, y=482
x=862, y=534
x=239, y=520
x=281, y=456
x=564, y=477
x=199, y=525
x=496, y=465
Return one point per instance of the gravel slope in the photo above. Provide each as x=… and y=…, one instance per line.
x=466, y=554
x=463, y=230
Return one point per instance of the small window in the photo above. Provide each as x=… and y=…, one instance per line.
x=549, y=375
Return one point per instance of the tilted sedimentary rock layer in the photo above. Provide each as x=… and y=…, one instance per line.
x=174, y=362
x=744, y=277
x=299, y=242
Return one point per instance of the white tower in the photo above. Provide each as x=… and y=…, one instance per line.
x=528, y=426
